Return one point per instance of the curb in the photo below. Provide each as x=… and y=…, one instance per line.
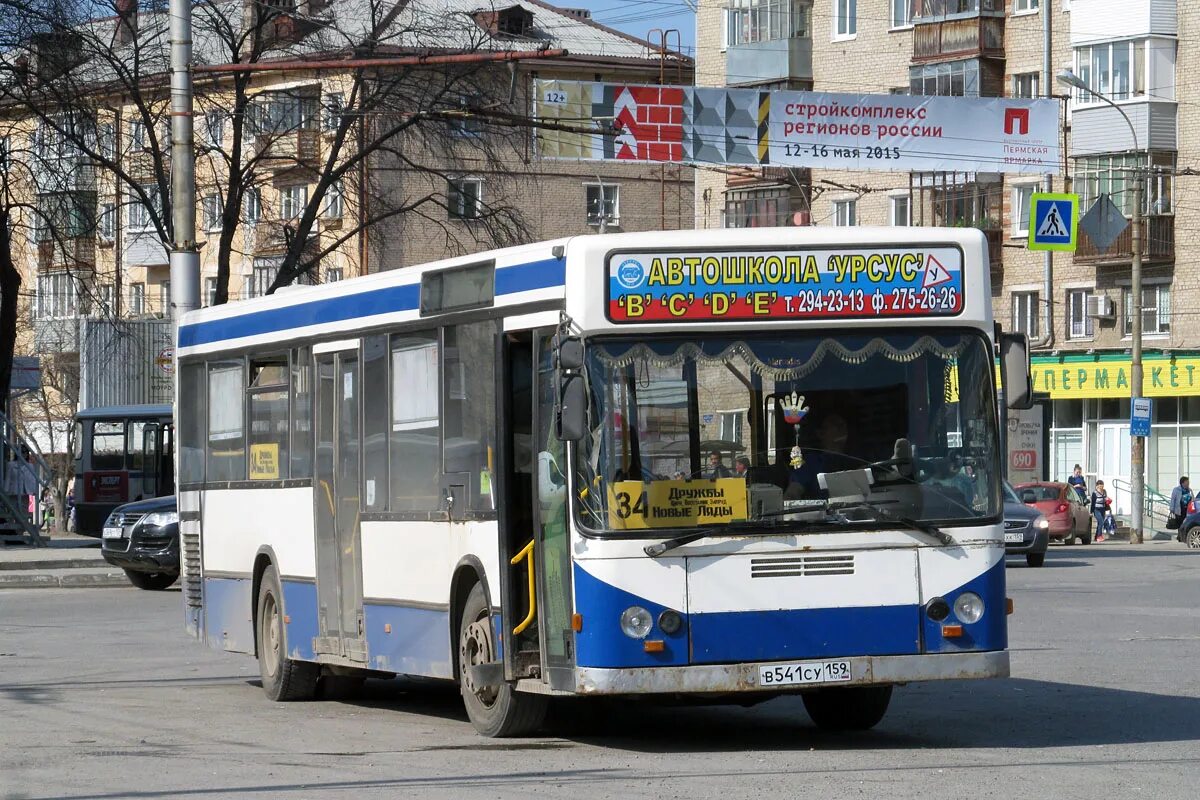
x=66, y=563
x=70, y=581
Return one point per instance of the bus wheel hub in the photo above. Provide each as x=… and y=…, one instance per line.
x=477, y=649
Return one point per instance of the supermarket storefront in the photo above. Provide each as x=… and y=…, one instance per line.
x=1089, y=421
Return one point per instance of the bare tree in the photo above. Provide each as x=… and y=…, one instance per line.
x=338, y=97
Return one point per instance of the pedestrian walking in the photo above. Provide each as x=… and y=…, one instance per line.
x=1099, y=506
x=1078, y=482
x=1181, y=497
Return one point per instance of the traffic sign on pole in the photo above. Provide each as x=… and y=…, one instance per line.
x=1053, y=221
x=1139, y=418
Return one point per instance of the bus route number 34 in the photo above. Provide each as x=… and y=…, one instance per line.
x=625, y=510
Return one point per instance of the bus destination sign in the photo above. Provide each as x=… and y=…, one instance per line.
x=785, y=284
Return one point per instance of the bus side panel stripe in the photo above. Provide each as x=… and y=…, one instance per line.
x=300, y=612
x=410, y=641
x=227, y=614
x=528, y=277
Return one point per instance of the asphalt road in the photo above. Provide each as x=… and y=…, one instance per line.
x=103, y=696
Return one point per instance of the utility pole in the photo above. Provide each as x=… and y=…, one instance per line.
x=1137, y=454
x=185, y=256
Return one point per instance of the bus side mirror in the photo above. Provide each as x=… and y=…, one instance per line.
x=570, y=352
x=571, y=420
x=1014, y=371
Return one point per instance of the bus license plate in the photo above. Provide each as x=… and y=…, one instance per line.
x=1014, y=538
x=113, y=533
x=805, y=672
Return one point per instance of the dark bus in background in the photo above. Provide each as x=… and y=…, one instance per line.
x=122, y=453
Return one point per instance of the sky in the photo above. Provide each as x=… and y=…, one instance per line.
x=639, y=16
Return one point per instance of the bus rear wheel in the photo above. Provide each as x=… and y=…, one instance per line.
x=282, y=678
x=495, y=711
x=856, y=708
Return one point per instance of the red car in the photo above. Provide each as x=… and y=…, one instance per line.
x=1064, y=508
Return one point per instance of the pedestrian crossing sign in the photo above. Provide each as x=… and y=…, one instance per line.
x=1053, y=221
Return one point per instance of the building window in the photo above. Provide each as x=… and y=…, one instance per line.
x=141, y=216
x=211, y=208
x=210, y=291
x=901, y=13
x=845, y=18
x=292, y=200
x=332, y=106
x=265, y=271
x=137, y=135
x=252, y=206
x=281, y=112
x=1079, y=324
x=952, y=79
x=1114, y=175
x=901, y=210
x=214, y=128
x=603, y=203
x=1025, y=313
x=57, y=297
x=845, y=213
x=1025, y=6
x=106, y=296
x=1022, y=196
x=137, y=299
x=758, y=208
x=5, y=151
x=106, y=225
x=1116, y=70
x=333, y=274
x=335, y=200
x=465, y=198
x=1026, y=84
x=750, y=21
x=1156, y=309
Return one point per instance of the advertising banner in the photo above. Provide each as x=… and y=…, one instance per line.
x=737, y=285
x=870, y=132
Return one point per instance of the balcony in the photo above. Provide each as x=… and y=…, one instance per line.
x=298, y=148
x=1158, y=244
x=773, y=61
x=56, y=334
x=961, y=36
x=76, y=251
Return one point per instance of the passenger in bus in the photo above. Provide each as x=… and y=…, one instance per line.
x=741, y=467
x=716, y=469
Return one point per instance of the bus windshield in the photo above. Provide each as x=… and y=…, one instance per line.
x=718, y=430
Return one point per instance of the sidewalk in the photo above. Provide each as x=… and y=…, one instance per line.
x=65, y=561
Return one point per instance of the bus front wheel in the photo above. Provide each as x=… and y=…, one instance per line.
x=495, y=711
x=857, y=708
x=282, y=678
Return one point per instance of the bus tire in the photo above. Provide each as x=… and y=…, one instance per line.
x=151, y=581
x=856, y=708
x=495, y=711
x=282, y=678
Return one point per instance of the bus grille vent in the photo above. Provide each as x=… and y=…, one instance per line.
x=801, y=566
x=192, y=579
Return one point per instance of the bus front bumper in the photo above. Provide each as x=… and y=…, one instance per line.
x=724, y=678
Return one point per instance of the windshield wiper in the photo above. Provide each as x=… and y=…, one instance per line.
x=883, y=515
x=657, y=549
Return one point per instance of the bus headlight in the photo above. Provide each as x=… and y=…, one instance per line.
x=636, y=622
x=669, y=622
x=968, y=607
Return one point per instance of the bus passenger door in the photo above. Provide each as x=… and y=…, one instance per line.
x=336, y=520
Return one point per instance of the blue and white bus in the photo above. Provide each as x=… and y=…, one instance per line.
x=705, y=463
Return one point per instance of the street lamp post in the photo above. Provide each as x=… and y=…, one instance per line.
x=1137, y=455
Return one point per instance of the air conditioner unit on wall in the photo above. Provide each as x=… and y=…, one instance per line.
x=1100, y=305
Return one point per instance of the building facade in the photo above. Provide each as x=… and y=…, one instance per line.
x=91, y=245
x=1128, y=51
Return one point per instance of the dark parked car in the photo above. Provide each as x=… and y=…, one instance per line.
x=142, y=538
x=1065, y=510
x=1189, y=529
x=1026, y=530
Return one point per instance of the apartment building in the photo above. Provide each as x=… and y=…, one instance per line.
x=90, y=242
x=1128, y=51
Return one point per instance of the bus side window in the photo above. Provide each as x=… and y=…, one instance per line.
x=470, y=407
x=375, y=423
x=301, y=413
x=191, y=431
x=108, y=445
x=226, y=449
x=414, y=447
x=267, y=401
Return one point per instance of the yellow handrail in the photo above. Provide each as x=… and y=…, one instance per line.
x=526, y=552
